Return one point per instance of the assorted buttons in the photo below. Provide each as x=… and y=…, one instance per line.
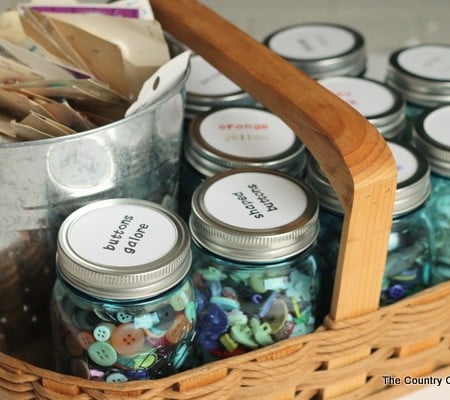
x=256, y=277
x=124, y=346
x=124, y=304
x=410, y=247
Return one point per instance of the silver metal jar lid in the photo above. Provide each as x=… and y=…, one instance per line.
x=413, y=181
x=254, y=215
x=382, y=106
x=421, y=74
x=123, y=249
x=207, y=87
x=320, y=49
x=431, y=135
x=238, y=137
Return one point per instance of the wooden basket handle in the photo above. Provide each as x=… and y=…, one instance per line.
x=351, y=152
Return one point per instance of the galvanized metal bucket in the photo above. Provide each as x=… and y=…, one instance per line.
x=42, y=181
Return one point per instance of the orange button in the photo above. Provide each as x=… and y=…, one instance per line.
x=179, y=327
x=126, y=339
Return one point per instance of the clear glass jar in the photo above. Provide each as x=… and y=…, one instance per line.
x=382, y=106
x=123, y=305
x=409, y=257
x=320, y=49
x=431, y=137
x=207, y=87
x=236, y=137
x=254, y=232
x=421, y=74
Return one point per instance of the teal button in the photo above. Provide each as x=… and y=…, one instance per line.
x=116, y=377
x=102, y=353
x=124, y=317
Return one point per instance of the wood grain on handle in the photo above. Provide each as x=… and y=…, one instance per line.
x=353, y=155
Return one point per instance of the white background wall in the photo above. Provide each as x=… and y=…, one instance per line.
x=385, y=24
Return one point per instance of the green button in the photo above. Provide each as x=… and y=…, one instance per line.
x=102, y=353
x=145, y=360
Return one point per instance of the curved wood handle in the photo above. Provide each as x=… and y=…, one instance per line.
x=353, y=155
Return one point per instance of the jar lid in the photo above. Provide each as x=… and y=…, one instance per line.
x=413, y=181
x=431, y=133
x=238, y=137
x=320, y=49
x=421, y=74
x=123, y=249
x=254, y=215
x=207, y=87
x=379, y=104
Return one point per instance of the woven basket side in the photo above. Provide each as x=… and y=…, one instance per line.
x=294, y=368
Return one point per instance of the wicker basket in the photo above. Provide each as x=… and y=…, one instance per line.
x=359, y=346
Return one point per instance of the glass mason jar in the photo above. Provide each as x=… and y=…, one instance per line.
x=381, y=105
x=254, y=232
x=320, y=49
x=431, y=137
x=207, y=87
x=409, y=257
x=236, y=137
x=421, y=74
x=123, y=305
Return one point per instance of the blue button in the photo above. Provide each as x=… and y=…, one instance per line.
x=215, y=319
x=396, y=292
x=137, y=374
x=206, y=341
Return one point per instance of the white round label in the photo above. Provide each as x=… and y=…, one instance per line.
x=369, y=98
x=407, y=163
x=206, y=80
x=246, y=132
x=311, y=42
x=428, y=61
x=437, y=125
x=122, y=235
x=255, y=200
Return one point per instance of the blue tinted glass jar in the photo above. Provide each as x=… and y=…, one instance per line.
x=207, y=87
x=320, y=49
x=382, y=106
x=236, y=137
x=431, y=137
x=421, y=74
x=124, y=305
x=254, y=232
x=409, y=257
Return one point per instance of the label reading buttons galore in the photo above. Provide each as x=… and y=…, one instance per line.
x=247, y=132
x=255, y=200
x=123, y=235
